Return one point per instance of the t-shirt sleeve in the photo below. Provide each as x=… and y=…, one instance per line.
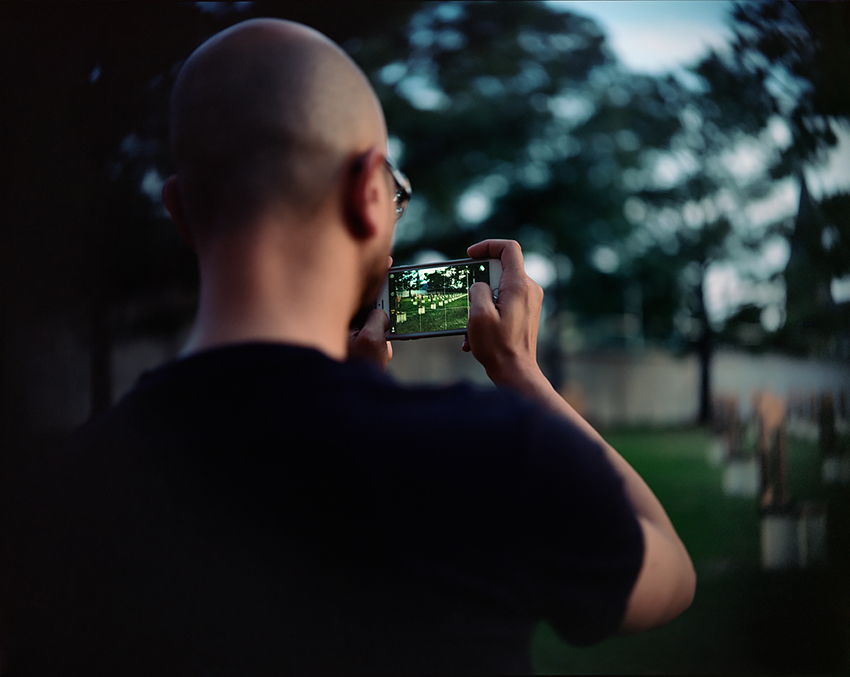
x=580, y=542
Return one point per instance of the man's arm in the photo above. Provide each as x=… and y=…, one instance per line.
x=503, y=338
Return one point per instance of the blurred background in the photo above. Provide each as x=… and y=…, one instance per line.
x=677, y=173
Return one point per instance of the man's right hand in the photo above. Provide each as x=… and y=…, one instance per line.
x=503, y=338
x=502, y=335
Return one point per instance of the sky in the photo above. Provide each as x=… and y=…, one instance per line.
x=659, y=35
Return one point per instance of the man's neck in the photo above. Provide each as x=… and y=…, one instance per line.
x=265, y=288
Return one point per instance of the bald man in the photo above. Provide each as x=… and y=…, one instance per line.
x=268, y=504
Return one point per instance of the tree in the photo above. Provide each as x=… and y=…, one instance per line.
x=86, y=86
x=80, y=236
x=693, y=203
x=514, y=120
x=803, y=45
x=763, y=100
x=795, y=50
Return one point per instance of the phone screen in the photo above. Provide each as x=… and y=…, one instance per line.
x=433, y=298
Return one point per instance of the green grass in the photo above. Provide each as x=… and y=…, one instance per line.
x=743, y=620
x=451, y=315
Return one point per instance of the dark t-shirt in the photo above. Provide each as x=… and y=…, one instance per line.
x=262, y=509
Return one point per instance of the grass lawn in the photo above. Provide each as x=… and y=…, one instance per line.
x=743, y=619
x=452, y=314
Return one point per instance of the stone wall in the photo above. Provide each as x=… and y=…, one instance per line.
x=649, y=387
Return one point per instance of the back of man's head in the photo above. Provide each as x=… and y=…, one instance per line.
x=263, y=117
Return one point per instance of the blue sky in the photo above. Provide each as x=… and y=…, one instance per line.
x=657, y=35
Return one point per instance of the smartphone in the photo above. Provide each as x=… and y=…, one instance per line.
x=433, y=299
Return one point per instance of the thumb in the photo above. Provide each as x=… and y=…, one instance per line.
x=481, y=301
x=483, y=318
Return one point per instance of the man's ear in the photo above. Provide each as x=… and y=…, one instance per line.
x=174, y=207
x=366, y=197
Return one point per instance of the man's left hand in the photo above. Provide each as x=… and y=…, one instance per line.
x=369, y=343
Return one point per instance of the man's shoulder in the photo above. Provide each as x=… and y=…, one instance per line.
x=254, y=395
x=281, y=367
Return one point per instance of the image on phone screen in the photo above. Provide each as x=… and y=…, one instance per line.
x=433, y=298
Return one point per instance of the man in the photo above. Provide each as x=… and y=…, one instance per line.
x=271, y=502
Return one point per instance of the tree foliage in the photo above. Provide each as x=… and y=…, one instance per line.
x=801, y=48
x=85, y=241
x=514, y=120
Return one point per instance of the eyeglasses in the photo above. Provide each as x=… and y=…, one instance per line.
x=402, y=189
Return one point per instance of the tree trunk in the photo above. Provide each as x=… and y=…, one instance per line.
x=705, y=350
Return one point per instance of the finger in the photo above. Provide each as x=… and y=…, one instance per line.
x=377, y=323
x=507, y=251
x=481, y=300
x=465, y=347
x=385, y=321
x=389, y=351
x=389, y=262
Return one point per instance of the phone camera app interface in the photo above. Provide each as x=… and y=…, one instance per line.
x=434, y=298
